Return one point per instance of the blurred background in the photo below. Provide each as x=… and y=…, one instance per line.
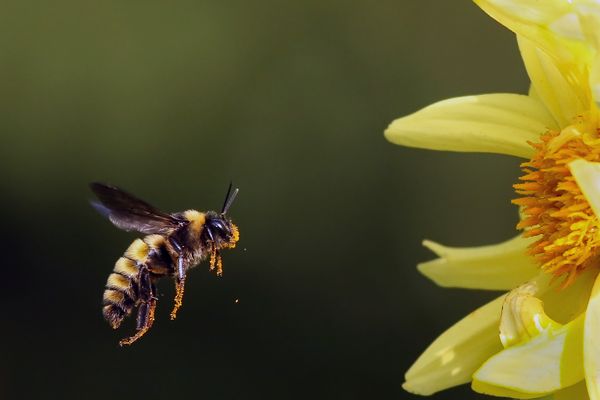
x=172, y=100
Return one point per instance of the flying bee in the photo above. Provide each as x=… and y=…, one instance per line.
x=174, y=244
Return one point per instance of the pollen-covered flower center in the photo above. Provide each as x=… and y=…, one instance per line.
x=553, y=207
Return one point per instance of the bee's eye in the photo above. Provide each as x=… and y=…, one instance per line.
x=219, y=227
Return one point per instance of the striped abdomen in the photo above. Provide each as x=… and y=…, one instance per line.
x=126, y=287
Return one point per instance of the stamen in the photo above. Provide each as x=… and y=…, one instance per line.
x=553, y=207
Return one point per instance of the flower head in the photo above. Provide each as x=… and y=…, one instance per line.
x=543, y=336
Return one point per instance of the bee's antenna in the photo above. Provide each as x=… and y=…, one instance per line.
x=229, y=197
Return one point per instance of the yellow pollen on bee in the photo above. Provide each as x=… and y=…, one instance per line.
x=179, y=289
x=213, y=256
x=216, y=261
x=235, y=236
x=219, y=266
x=553, y=207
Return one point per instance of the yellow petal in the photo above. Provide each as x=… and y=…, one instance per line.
x=567, y=31
x=563, y=91
x=492, y=123
x=453, y=357
x=535, y=20
x=523, y=316
x=541, y=355
x=497, y=267
x=565, y=304
x=595, y=79
x=591, y=343
x=522, y=16
x=581, y=27
x=485, y=388
x=589, y=16
x=549, y=362
x=534, y=94
x=575, y=392
x=554, y=36
x=587, y=176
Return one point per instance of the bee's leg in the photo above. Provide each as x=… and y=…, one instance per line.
x=145, y=317
x=179, y=287
x=215, y=256
x=180, y=284
x=216, y=261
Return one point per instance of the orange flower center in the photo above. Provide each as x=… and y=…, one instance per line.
x=553, y=208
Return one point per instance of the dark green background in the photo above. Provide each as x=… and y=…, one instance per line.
x=172, y=100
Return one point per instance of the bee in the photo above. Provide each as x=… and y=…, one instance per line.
x=173, y=244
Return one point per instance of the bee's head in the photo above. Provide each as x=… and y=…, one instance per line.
x=219, y=230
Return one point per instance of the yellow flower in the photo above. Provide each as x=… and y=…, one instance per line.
x=542, y=338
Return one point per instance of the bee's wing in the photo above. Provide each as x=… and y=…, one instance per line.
x=129, y=213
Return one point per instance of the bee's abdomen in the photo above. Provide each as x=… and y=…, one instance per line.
x=121, y=295
x=122, y=287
